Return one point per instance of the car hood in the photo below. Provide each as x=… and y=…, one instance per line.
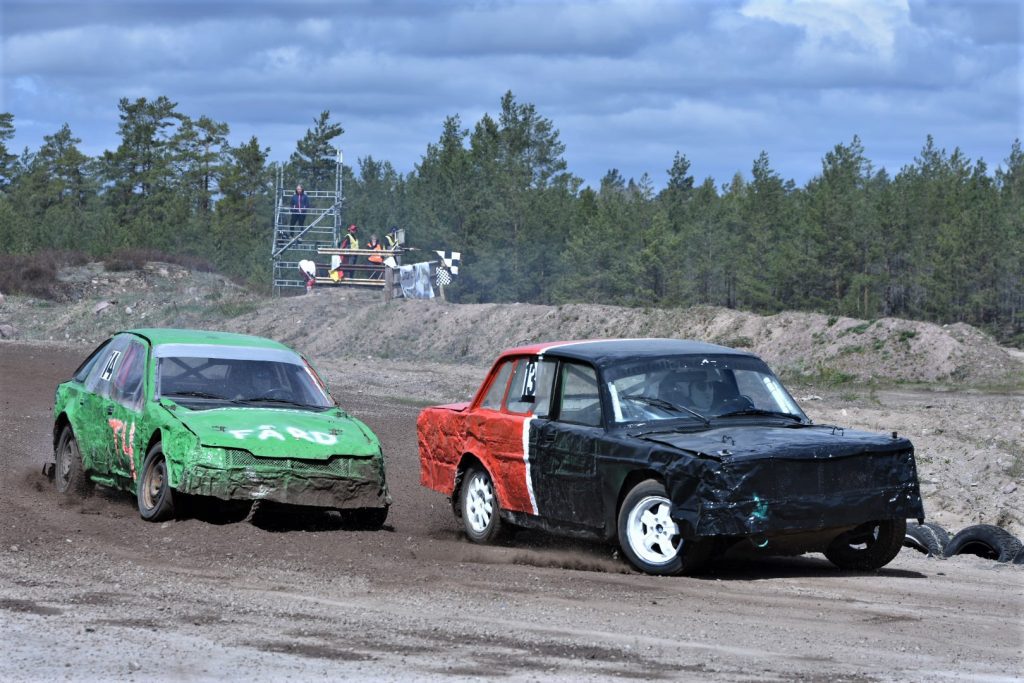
x=275, y=433
x=732, y=443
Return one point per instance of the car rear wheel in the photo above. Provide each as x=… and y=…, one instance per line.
x=156, y=500
x=69, y=472
x=869, y=546
x=650, y=538
x=479, y=505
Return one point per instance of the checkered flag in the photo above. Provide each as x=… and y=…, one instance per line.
x=451, y=261
x=443, y=277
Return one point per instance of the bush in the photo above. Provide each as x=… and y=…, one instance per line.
x=36, y=274
x=134, y=259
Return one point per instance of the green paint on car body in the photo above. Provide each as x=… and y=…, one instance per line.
x=246, y=448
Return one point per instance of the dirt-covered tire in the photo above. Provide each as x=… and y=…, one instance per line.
x=650, y=539
x=984, y=540
x=69, y=472
x=479, y=506
x=156, y=500
x=368, y=519
x=1019, y=557
x=869, y=546
x=927, y=538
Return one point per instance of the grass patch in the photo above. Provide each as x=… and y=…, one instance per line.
x=829, y=377
x=233, y=309
x=859, y=329
x=739, y=342
x=124, y=260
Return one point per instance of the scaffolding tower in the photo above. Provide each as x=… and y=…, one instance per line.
x=321, y=228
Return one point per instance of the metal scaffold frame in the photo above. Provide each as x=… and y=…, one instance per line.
x=320, y=227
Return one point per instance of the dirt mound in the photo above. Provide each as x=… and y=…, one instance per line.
x=333, y=324
x=92, y=302
x=336, y=324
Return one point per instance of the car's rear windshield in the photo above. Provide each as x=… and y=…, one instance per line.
x=202, y=378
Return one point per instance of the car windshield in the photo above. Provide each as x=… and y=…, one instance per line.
x=261, y=380
x=697, y=388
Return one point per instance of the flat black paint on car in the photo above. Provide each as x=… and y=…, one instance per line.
x=743, y=476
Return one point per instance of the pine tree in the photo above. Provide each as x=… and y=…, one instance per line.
x=314, y=160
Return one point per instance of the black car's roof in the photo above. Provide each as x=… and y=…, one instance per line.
x=605, y=351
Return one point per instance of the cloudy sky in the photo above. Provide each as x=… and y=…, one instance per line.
x=626, y=83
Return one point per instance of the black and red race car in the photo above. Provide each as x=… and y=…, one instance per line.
x=679, y=449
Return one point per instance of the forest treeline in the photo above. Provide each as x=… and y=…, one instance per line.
x=941, y=240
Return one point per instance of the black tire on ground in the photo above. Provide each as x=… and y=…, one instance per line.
x=1019, y=557
x=649, y=538
x=156, y=500
x=869, y=546
x=927, y=538
x=69, y=472
x=984, y=540
x=479, y=505
x=369, y=519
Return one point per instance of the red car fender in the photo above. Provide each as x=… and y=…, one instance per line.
x=440, y=433
x=498, y=440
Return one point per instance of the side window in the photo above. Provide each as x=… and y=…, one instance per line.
x=545, y=384
x=127, y=382
x=532, y=378
x=579, y=399
x=89, y=363
x=107, y=362
x=496, y=392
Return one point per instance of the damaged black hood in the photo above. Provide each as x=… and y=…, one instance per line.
x=732, y=443
x=741, y=480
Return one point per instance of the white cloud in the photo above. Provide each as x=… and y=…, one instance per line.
x=26, y=84
x=839, y=28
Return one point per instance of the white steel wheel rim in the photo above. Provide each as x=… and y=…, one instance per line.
x=651, y=533
x=479, y=503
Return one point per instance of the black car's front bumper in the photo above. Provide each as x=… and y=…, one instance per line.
x=779, y=494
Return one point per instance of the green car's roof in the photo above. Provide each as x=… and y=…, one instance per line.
x=161, y=335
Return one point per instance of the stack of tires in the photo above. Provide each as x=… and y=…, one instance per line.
x=984, y=540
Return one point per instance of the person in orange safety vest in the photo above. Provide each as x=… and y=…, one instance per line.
x=376, y=260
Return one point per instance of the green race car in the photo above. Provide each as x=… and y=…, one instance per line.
x=159, y=412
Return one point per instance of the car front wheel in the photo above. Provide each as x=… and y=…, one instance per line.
x=650, y=538
x=869, y=546
x=69, y=472
x=479, y=506
x=156, y=500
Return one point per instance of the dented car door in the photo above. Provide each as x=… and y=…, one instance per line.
x=565, y=476
x=123, y=411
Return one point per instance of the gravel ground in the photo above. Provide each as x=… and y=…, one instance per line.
x=88, y=591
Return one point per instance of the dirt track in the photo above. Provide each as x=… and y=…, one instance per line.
x=89, y=591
